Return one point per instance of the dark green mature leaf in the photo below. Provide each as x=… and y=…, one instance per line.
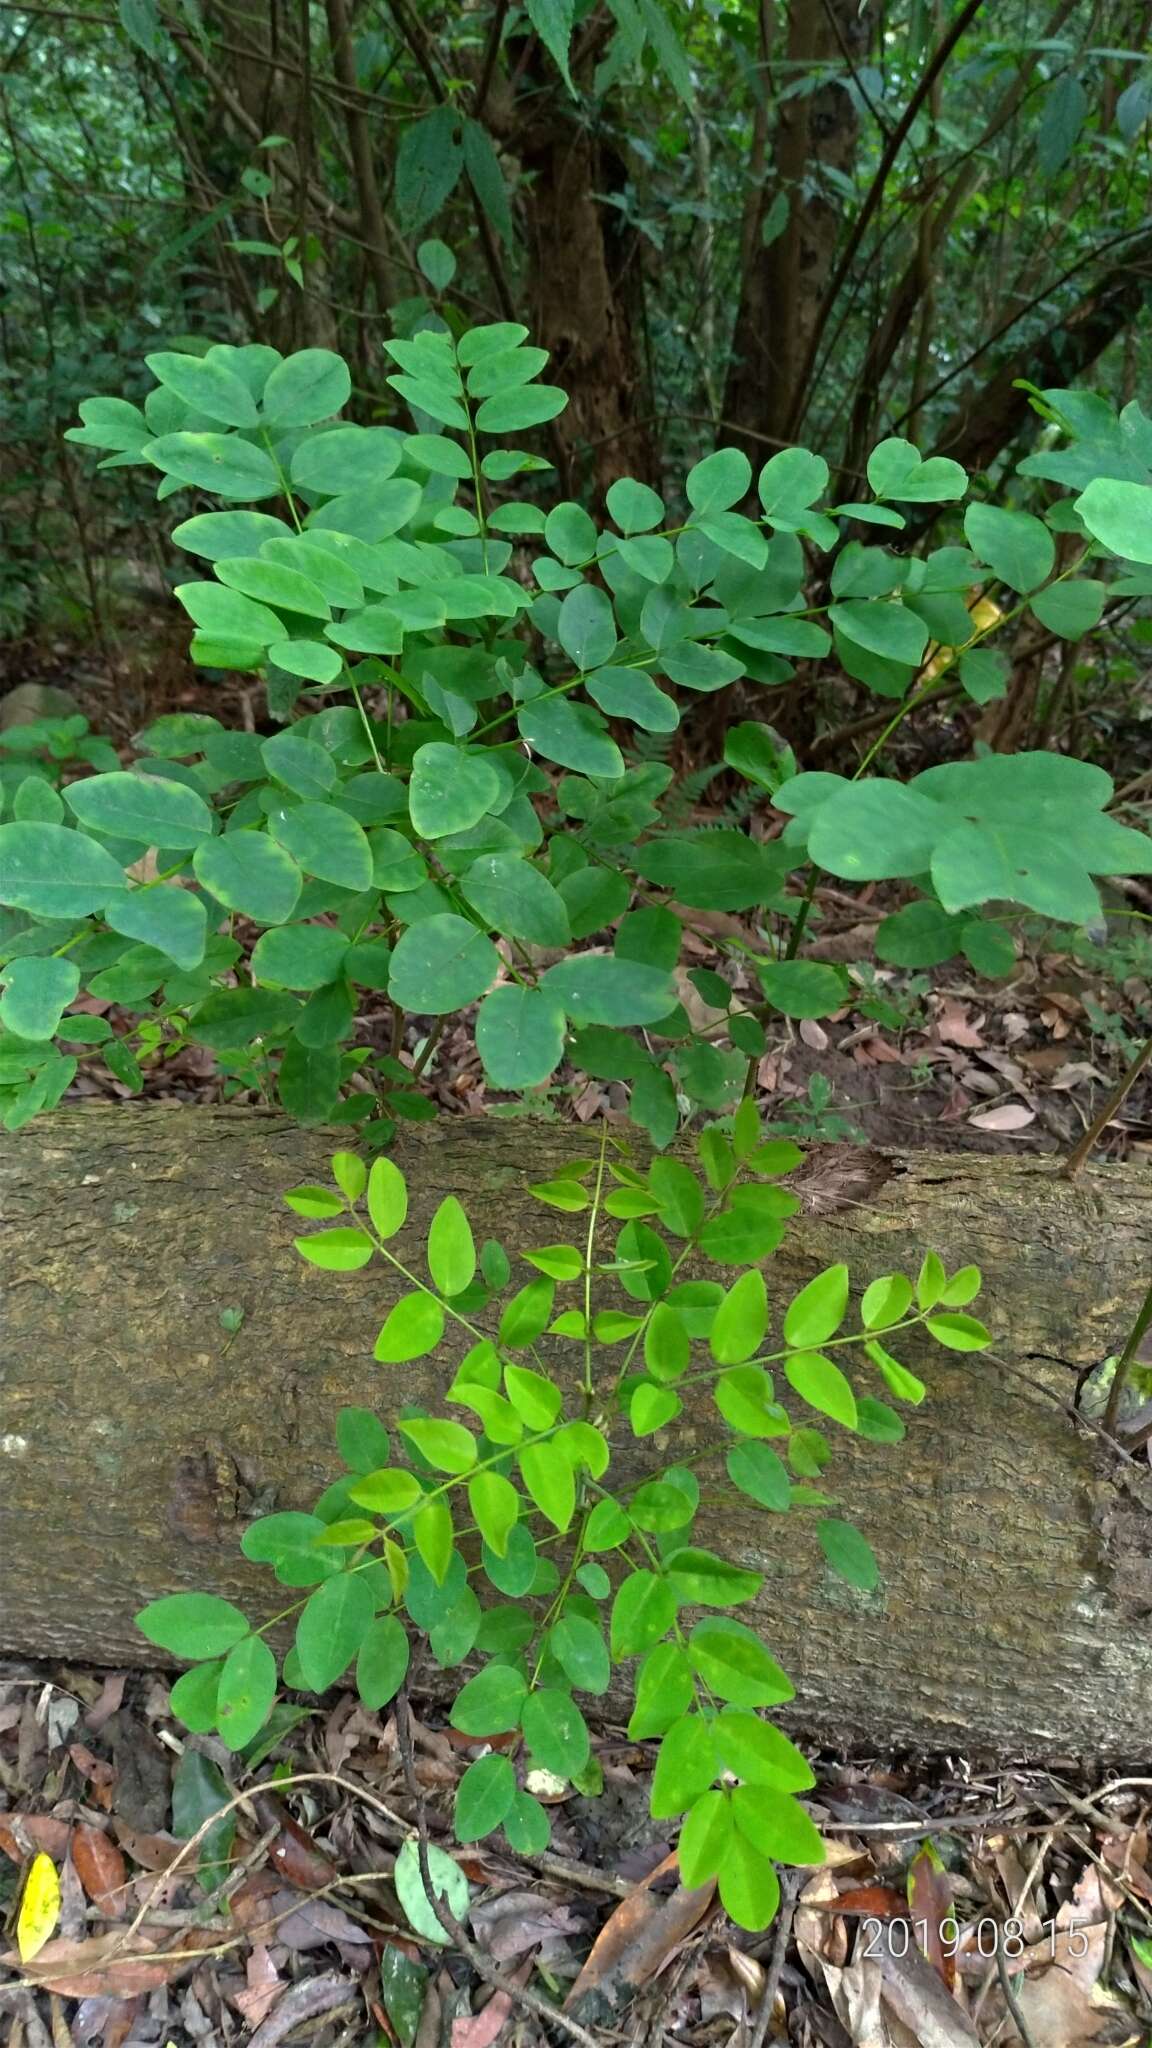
x=603, y=989
x=520, y=1037
x=440, y=964
x=54, y=872
x=722, y=870
x=144, y=807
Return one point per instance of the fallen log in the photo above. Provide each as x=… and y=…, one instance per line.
x=136, y=1435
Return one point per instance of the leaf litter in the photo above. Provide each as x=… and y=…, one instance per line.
x=957, y=1905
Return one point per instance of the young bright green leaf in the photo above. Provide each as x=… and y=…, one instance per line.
x=193, y=1625
x=664, y=1691
x=822, y=1385
x=741, y=1320
x=414, y=1327
x=382, y=1661
x=706, y=1838
x=387, y=1197
x=733, y=1662
x=643, y=1611
x=484, y=1797
x=755, y=1751
x=549, y=1479
x=337, y=1251
x=758, y=1472
x=816, y=1313
x=685, y=1767
x=451, y=1250
x=495, y=1504
x=331, y=1628
x=246, y=1691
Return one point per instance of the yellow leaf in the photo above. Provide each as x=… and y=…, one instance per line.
x=39, y=1908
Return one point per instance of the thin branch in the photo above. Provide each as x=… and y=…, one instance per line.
x=874, y=195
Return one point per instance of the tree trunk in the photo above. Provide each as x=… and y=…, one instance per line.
x=992, y=414
x=783, y=284
x=135, y=1436
x=584, y=285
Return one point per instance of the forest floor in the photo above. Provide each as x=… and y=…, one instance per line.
x=960, y=1902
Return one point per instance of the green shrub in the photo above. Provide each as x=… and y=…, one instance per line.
x=448, y=814
x=514, y=1535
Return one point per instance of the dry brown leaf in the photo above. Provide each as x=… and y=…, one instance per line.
x=1007, y=1116
x=481, y=2029
x=637, y=1940
x=102, y=1871
x=953, y=1026
x=263, y=1988
x=915, y=1994
x=108, y=1966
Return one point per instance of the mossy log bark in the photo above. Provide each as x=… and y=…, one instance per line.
x=135, y=1437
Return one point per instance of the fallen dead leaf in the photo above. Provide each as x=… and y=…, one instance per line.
x=635, y=1942
x=953, y=1026
x=481, y=2029
x=107, y=1966
x=263, y=1986
x=101, y=1869
x=1007, y=1116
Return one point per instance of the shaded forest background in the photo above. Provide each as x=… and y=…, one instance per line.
x=729, y=220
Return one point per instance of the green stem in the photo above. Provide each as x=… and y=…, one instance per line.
x=1136, y=1337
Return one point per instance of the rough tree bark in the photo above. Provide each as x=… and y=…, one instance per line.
x=782, y=285
x=135, y=1437
x=584, y=285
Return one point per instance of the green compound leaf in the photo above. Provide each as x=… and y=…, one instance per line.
x=604, y=989
x=249, y=873
x=484, y=1797
x=308, y=386
x=719, y=870
x=450, y=790
x=168, y=917
x=332, y=1627
x=644, y=1610
x=849, y=1554
x=520, y=1037
x=382, y=1661
x=246, y=1691
x=451, y=1249
x=517, y=900
x=822, y=1385
x=36, y=993
x=731, y=1659
x=440, y=964
x=193, y=1625
x=325, y=842
x=54, y=872
x=556, y=1732
x=412, y=1329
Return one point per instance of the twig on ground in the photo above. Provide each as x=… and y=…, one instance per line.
x=1011, y=2000
x=789, y=1894
x=549, y=2015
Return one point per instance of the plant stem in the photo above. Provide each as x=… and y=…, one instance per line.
x=1078, y=1156
x=1135, y=1338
